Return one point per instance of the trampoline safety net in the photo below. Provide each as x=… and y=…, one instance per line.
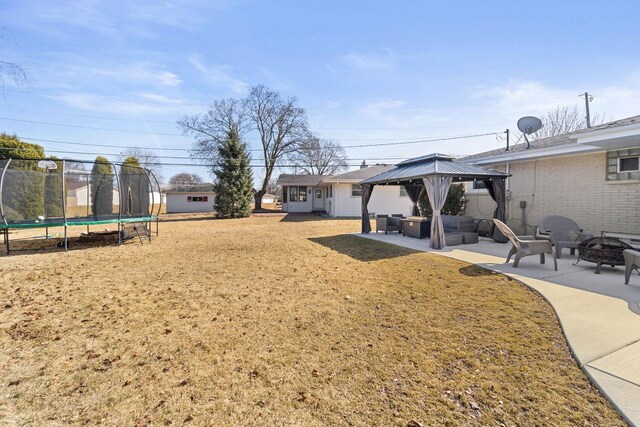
x=45, y=193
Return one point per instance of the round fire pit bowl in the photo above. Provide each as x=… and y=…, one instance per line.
x=602, y=250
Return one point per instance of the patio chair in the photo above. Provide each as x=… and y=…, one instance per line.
x=631, y=262
x=525, y=245
x=387, y=224
x=563, y=233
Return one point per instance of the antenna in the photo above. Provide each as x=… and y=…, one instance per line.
x=529, y=125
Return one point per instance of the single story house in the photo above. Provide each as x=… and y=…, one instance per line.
x=269, y=199
x=590, y=175
x=341, y=195
x=190, y=199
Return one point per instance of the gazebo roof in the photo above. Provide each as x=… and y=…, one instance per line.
x=433, y=164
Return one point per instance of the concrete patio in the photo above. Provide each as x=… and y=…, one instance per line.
x=599, y=314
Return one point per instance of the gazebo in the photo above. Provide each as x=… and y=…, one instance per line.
x=435, y=173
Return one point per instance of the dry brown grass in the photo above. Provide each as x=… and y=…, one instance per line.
x=277, y=321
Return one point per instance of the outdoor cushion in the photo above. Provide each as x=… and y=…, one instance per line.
x=456, y=223
x=468, y=238
x=453, y=239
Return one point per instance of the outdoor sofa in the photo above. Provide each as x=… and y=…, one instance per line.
x=459, y=230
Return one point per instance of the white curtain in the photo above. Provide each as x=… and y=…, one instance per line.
x=437, y=188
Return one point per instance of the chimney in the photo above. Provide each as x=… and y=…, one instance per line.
x=364, y=164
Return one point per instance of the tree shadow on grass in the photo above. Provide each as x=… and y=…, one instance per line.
x=362, y=249
x=475, y=271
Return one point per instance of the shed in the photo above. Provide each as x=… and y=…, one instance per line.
x=191, y=199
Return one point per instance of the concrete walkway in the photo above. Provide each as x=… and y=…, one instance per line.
x=599, y=314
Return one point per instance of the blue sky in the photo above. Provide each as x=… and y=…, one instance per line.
x=367, y=72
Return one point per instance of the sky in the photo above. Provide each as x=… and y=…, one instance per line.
x=121, y=73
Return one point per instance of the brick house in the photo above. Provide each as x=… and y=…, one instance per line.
x=591, y=175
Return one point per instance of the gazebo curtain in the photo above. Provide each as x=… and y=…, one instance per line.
x=367, y=189
x=496, y=189
x=437, y=188
x=413, y=191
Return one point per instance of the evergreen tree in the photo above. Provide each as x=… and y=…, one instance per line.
x=24, y=181
x=101, y=187
x=135, y=187
x=453, y=205
x=234, y=185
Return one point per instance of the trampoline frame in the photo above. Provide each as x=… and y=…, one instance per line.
x=65, y=222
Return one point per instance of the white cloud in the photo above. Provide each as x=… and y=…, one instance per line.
x=137, y=103
x=219, y=75
x=116, y=20
x=142, y=72
x=519, y=98
x=369, y=61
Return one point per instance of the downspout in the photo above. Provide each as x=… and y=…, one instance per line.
x=508, y=194
x=336, y=196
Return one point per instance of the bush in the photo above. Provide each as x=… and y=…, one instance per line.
x=454, y=205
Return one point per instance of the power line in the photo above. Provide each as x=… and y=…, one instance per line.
x=140, y=132
x=128, y=119
x=448, y=138
x=170, y=157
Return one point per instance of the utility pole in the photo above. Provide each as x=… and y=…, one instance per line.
x=507, y=132
x=587, y=99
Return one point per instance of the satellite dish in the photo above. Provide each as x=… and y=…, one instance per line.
x=47, y=164
x=529, y=125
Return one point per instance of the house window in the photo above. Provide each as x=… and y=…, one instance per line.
x=318, y=193
x=623, y=164
x=356, y=190
x=628, y=164
x=479, y=185
x=298, y=194
x=285, y=191
x=197, y=198
x=403, y=191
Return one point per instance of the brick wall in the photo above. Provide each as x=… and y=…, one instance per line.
x=573, y=186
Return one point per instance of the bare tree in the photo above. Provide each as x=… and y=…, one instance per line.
x=282, y=126
x=185, y=179
x=563, y=120
x=11, y=71
x=146, y=158
x=212, y=128
x=316, y=156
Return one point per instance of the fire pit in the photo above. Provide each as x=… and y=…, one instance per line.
x=602, y=250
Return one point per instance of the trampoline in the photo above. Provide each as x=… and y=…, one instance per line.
x=37, y=193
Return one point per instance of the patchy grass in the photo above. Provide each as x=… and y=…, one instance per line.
x=279, y=321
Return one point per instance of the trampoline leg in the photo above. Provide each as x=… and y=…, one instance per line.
x=149, y=230
x=66, y=246
x=6, y=239
x=119, y=235
x=46, y=232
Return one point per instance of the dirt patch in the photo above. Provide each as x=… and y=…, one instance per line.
x=268, y=322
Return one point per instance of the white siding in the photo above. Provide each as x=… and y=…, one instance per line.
x=177, y=203
x=384, y=200
x=297, y=207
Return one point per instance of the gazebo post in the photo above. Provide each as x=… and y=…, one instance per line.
x=367, y=189
x=437, y=188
